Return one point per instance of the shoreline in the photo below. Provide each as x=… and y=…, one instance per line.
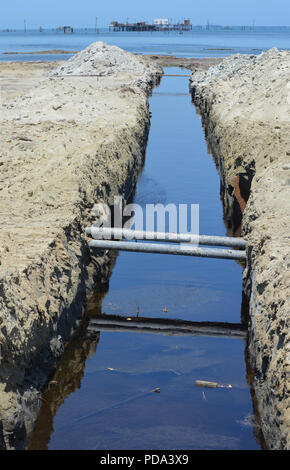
x=46, y=52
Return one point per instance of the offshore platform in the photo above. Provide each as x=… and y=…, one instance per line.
x=159, y=24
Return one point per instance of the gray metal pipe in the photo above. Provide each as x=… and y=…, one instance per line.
x=169, y=332
x=119, y=233
x=168, y=249
x=169, y=327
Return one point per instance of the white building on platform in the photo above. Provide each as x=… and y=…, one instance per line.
x=161, y=22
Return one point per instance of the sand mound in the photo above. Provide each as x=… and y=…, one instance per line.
x=101, y=59
x=243, y=65
x=252, y=87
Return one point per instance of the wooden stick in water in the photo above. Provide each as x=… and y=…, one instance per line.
x=207, y=384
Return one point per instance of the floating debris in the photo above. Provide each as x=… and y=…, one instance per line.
x=207, y=384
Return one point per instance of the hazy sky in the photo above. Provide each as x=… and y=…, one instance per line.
x=82, y=13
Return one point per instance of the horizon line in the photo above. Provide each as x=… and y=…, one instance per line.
x=3, y=29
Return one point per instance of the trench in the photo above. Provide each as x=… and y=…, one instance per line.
x=126, y=390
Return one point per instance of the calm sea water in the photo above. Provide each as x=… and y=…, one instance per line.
x=196, y=43
x=102, y=397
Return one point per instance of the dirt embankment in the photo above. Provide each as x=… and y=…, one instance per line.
x=67, y=142
x=245, y=105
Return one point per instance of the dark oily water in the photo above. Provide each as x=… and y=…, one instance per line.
x=127, y=390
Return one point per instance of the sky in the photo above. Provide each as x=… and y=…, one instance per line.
x=83, y=13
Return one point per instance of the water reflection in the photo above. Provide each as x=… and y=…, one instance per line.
x=68, y=375
x=120, y=396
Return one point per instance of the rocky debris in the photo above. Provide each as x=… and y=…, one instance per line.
x=103, y=60
x=246, y=114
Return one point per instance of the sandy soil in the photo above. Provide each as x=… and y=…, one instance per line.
x=66, y=143
x=246, y=114
x=16, y=78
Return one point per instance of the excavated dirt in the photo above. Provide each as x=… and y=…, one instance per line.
x=67, y=142
x=245, y=105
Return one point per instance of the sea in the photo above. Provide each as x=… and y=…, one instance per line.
x=198, y=43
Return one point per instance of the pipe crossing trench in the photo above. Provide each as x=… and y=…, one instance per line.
x=189, y=250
